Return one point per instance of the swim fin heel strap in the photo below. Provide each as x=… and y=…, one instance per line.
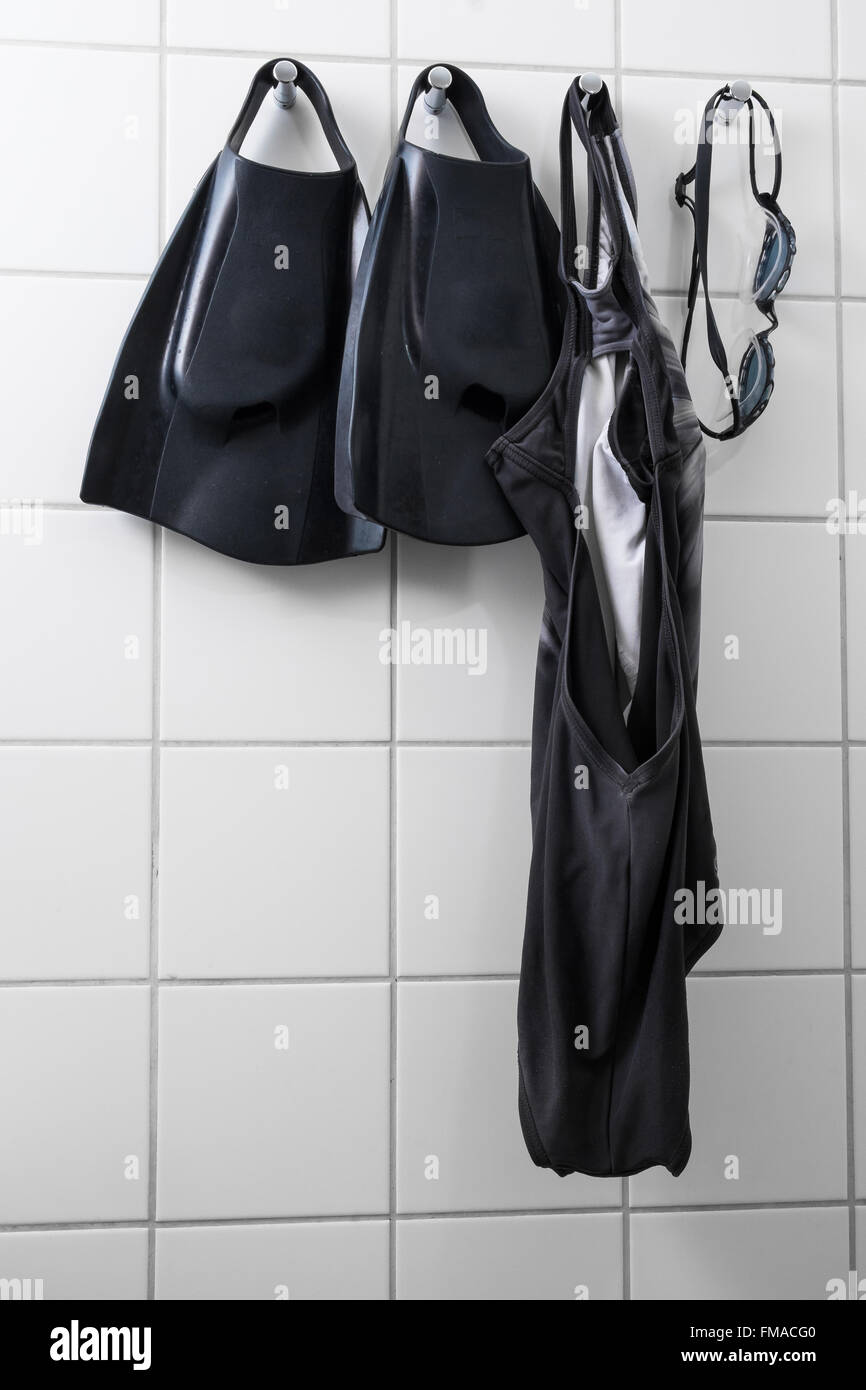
x=453, y=333
x=219, y=418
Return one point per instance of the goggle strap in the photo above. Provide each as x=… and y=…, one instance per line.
x=701, y=215
x=777, y=148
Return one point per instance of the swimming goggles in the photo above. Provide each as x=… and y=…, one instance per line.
x=749, y=395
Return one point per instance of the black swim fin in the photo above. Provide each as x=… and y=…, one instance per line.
x=453, y=333
x=218, y=421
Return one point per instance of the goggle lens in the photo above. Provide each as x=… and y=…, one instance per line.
x=755, y=378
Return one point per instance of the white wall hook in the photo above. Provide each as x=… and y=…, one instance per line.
x=285, y=92
x=440, y=80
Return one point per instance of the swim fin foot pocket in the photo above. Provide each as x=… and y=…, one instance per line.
x=219, y=418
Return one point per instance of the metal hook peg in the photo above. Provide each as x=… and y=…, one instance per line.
x=739, y=92
x=285, y=92
x=591, y=83
x=440, y=80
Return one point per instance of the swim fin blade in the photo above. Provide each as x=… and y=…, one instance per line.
x=454, y=329
x=219, y=417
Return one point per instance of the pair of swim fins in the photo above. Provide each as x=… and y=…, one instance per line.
x=260, y=407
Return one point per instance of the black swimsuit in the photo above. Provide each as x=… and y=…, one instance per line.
x=620, y=816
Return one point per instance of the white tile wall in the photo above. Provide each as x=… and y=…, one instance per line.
x=86, y=813
x=44, y=354
x=755, y=1139
x=86, y=181
x=316, y=676
x=463, y=843
x=496, y=592
x=858, y=868
x=76, y=1102
x=794, y=801
x=106, y=1263
x=331, y=26
x=770, y=653
x=319, y=1261
x=503, y=31
x=851, y=26
x=81, y=21
x=274, y=862
x=852, y=189
x=456, y=1043
x=859, y=1016
x=856, y=594
x=701, y=36
x=78, y=652
x=127, y=766
x=781, y=1254
x=854, y=371
x=522, y=1258
x=273, y=1100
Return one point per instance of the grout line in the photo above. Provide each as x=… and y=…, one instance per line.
x=11, y=272
x=492, y=1213
x=313, y=745
x=763, y=518
x=411, y=60
x=393, y=576
x=481, y=977
x=142, y=277
x=153, y=1099
x=843, y=642
x=624, y=1198
x=259, y=55
x=613, y=1210
x=392, y=948
x=71, y=505
x=734, y=296
x=770, y=743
